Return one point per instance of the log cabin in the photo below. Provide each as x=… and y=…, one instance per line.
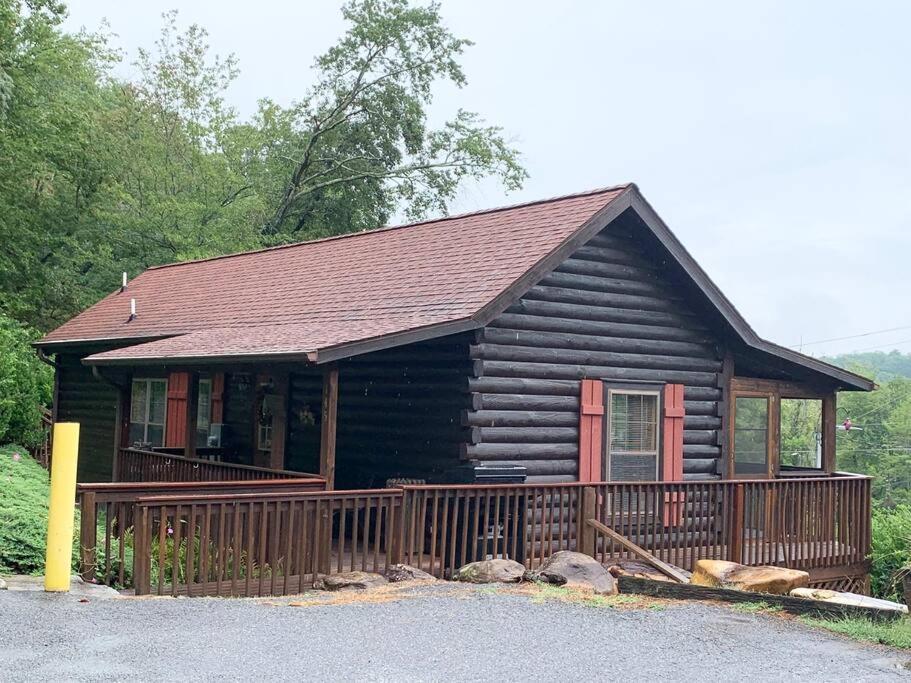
x=566, y=340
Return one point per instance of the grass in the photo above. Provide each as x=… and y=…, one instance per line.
x=894, y=633
x=545, y=592
x=760, y=607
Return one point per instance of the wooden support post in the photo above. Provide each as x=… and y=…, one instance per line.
x=735, y=547
x=281, y=382
x=828, y=433
x=87, y=536
x=189, y=445
x=142, y=551
x=122, y=425
x=329, y=419
x=586, y=530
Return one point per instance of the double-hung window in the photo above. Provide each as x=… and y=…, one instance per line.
x=148, y=406
x=633, y=434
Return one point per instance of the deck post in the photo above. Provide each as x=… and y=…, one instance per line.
x=735, y=551
x=329, y=419
x=189, y=447
x=88, y=535
x=828, y=433
x=587, y=512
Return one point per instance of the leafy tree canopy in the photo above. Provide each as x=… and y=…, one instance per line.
x=102, y=175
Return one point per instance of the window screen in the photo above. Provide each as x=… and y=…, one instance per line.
x=148, y=405
x=751, y=435
x=633, y=443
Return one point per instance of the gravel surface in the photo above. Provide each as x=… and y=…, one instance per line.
x=440, y=632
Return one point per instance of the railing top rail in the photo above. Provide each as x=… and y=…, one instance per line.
x=579, y=484
x=178, y=486
x=267, y=496
x=218, y=463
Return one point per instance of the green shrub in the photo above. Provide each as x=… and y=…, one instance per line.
x=891, y=556
x=25, y=385
x=24, y=488
x=895, y=633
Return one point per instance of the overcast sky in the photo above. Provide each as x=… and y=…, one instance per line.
x=773, y=139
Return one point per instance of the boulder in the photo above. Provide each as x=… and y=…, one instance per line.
x=491, y=571
x=576, y=570
x=405, y=572
x=349, y=581
x=638, y=570
x=774, y=580
x=848, y=599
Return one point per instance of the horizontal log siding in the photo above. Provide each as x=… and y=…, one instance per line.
x=609, y=312
x=398, y=414
x=93, y=404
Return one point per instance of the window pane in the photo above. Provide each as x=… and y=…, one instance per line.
x=634, y=422
x=156, y=435
x=137, y=433
x=203, y=409
x=138, y=401
x=751, y=435
x=801, y=431
x=157, y=401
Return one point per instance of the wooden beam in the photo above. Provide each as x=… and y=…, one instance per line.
x=328, y=425
x=828, y=433
x=281, y=385
x=666, y=569
x=189, y=446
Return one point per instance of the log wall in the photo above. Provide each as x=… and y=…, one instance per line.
x=398, y=414
x=83, y=398
x=613, y=311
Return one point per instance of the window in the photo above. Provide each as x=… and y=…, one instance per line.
x=632, y=449
x=751, y=435
x=203, y=412
x=147, y=411
x=801, y=433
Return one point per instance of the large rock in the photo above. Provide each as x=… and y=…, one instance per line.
x=349, y=581
x=405, y=572
x=576, y=570
x=774, y=580
x=848, y=599
x=491, y=571
x=637, y=570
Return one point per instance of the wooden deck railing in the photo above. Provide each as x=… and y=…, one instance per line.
x=261, y=544
x=106, y=518
x=136, y=465
x=268, y=537
x=42, y=451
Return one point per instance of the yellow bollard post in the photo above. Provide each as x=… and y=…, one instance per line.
x=59, y=554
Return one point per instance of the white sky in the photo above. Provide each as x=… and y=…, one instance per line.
x=773, y=139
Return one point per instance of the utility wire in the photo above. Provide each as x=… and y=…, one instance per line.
x=853, y=336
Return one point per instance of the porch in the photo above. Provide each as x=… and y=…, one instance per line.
x=277, y=533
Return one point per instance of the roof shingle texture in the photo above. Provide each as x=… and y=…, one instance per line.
x=316, y=295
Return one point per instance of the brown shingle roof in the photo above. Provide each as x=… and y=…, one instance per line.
x=300, y=299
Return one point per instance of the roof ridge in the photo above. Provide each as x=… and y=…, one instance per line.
x=348, y=235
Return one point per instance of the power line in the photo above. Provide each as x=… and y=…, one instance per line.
x=853, y=336
x=882, y=346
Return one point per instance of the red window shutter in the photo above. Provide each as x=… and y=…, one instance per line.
x=591, y=428
x=176, y=421
x=218, y=391
x=672, y=462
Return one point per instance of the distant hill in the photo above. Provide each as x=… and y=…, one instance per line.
x=880, y=365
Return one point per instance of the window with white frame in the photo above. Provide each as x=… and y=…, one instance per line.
x=148, y=405
x=203, y=412
x=633, y=434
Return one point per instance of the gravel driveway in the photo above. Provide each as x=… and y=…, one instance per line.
x=441, y=632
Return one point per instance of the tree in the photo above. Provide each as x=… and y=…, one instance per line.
x=25, y=385
x=359, y=144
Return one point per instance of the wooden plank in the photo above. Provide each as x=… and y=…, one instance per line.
x=646, y=556
x=328, y=426
x=792, y=605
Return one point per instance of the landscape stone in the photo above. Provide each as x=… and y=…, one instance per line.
x=774, y=580
x=638, y=570
x=848, y=599
x=491, y=571
x=405, y=572
x=575, y=570
x=350, y=581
